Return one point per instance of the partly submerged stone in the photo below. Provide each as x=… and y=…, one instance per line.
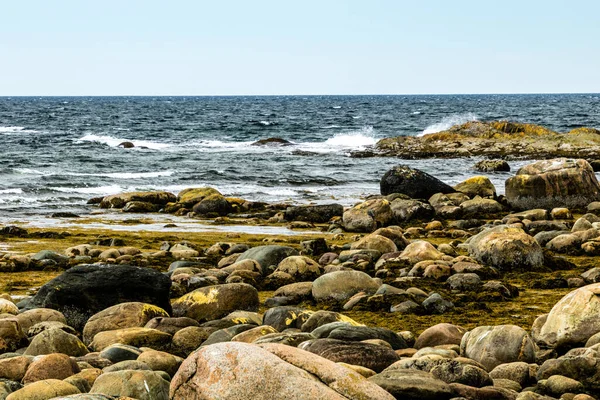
x=412, y=182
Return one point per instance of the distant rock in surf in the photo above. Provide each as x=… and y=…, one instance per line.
x=126, y=145
x=271, y=142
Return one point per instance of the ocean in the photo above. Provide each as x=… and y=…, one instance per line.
x=58, y=152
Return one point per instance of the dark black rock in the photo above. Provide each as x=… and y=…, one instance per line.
x=412, y=182
x=84, y=290
x=314, y=247
x=271, y=141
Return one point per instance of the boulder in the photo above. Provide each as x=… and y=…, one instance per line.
x=314, y=213
x=268, y=255
x=285, y=317
x=412, y=182
x=479, y=207
x=574, y=319
x=246, y=371
x=14, y=368
x=124, y=315
x=51, y=366
x=506, y=248
x=119, y=200
x=161, y=361
x=29, y=318
x=138, y=384
x=104, y=286
x=214, y=302
x=56, y=341
x=495, y=345
x=213, y=205
x=368, y=216
x=477, y=186
x=339, y=286
x=553, y=183
x=584, y=369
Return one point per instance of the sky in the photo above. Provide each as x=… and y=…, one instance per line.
x=131, y=47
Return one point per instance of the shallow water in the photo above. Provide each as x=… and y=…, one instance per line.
x=57, y=152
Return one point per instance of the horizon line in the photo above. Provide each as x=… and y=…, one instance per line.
x=304, y=95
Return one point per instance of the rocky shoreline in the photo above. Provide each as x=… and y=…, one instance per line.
x=425, y=291
x=496, y=139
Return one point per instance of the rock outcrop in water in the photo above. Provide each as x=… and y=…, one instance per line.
x=412, y=182
x=496, y=139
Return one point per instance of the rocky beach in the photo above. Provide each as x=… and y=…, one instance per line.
x=422, y=290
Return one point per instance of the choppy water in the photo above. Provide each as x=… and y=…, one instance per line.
x=57, y=152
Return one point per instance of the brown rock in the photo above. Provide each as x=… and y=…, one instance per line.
x=51, y=366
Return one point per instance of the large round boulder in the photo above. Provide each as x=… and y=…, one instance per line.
x=574, y=319
x=559, y=182
x=506, y=248
x=412, y=182
x=339, y=286
x=494, y=345
x=237, y=370
x=420, y=250
x=84, y=290
x=214, y=302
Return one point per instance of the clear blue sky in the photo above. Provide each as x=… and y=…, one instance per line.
x=128, y=47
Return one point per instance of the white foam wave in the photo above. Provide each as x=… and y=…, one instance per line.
x=449, y=122
x=29, y=171
x=265, y=123
x=219, y=145
x=342, y=142
x=15, y=130
x=110, y=189
x=11, y=191
x=115, y=142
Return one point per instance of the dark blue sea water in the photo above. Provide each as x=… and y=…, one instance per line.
x=57, y=152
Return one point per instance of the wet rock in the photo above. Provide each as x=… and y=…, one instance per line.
x=412, y=182
x=366, y=355
x=495, y=345
x=212, y=205
x=348, y=332
x=368, y=216
x=214, y=302
x=506, y=248
x=104, y=286
x=120, y=352
x=339, y=286
x=553, y=183
x=241, y=371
